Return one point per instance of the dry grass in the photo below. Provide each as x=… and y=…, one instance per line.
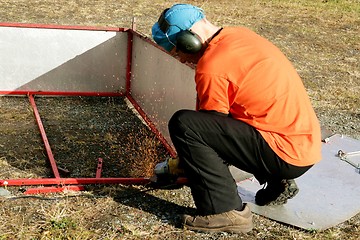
x=320, y=37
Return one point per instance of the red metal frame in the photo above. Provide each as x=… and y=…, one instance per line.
x=62, y=184
x=44, y=137
x=57, y=183
x=67, y=27
x=99, y=168
x=59, y=93
x=129, y=60
x=75, y=184
x=72, y=181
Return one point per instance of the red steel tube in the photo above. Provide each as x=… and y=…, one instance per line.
x=59, y=93
x=73, y=181
x=99, y=168
x=81, y=181
x=64, y=27
x=129, y=61
x=44, y=138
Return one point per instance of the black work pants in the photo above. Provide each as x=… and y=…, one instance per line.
x=207, y=143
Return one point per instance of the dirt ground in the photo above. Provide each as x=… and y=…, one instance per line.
x=91, y=128
x=321, y=38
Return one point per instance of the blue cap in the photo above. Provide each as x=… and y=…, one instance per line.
x=177, y=18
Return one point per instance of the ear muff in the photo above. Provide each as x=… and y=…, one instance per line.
x=188, y=42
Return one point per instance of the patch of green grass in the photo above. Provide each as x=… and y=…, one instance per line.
x=63, y=223
x=66, y=228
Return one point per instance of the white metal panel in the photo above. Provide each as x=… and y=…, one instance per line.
x=39, y=59
x=160, y=84
x=329, y=193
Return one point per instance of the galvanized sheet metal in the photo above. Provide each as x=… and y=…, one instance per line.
x=36, y=59
x=329, y=192
x=160, y=84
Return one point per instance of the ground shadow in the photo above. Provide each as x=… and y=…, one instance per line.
x=165, y=210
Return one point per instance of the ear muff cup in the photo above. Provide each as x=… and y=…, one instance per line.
x=188, y=42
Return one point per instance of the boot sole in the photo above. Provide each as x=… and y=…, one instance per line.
x=290, y=191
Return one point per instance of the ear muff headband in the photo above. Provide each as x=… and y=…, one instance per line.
x=186, y=41
x=163, y=24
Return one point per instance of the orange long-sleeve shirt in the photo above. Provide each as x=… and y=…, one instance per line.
x=243, y=74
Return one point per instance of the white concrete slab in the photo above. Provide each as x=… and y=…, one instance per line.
x=329, y=192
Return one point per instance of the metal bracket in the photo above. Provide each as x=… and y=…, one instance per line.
x=344, y=156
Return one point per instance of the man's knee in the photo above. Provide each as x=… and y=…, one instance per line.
x=179, y=120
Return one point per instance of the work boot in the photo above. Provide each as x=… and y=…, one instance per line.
x=233, y=222
x=276, y=193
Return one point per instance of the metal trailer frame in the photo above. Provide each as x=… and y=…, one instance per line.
x=57, y=183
